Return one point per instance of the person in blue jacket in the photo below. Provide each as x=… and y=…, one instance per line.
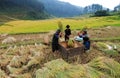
x=86, y=43
x=55, y=40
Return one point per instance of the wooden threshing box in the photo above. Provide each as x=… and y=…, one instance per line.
x=66, y=52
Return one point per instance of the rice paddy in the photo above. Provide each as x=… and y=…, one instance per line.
x=36, y=26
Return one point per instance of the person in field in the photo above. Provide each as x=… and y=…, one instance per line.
x=86, y=43
x=81, y=35
x=55, y=40
x=67, y=32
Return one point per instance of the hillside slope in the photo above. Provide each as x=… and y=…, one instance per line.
x=61, y=9
x=22, y=9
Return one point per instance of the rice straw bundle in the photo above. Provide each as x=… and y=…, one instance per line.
x=107, y=66
x=25, y=75
x=13, y=70
x=2, y=74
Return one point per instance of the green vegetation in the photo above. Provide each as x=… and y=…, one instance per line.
x=30, y=26
x=101, y=13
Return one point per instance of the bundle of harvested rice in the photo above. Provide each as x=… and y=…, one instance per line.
x=9, y=40
x=2, y=74
x=23, y=50
x=60, y=69
x=58, y=64
x=101, y=67
x=5, y=59
x=107, y=66
x=13, y=70
x=25, y=75
x=108, y=48
x=70, y=43
x=18, y=61
x=12, y=50
x=39, y=56
x=31, y=63
x=93, y=73
x=44, y=73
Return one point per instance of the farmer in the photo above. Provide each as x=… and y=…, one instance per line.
x=67, y=32
x=81, y=35
x=86, y=43
x=55, y=39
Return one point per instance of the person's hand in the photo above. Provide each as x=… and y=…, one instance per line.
x=60, y=34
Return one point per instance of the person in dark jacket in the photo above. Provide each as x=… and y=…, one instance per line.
x=67, y=32
x=86, y=43
x=55, y=40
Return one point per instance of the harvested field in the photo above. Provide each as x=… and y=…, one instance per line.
x=25, y=60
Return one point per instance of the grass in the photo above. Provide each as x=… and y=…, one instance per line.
x=30, y=26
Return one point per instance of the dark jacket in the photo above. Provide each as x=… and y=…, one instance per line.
x=86, y=43
x=67, y=32
x=55, y=38
x=55, y=42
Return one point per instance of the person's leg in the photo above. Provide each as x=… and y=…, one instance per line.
x=53, y=48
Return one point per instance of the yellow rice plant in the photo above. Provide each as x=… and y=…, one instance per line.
x=2, y=74
x=13, y=70
x=107, y=66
